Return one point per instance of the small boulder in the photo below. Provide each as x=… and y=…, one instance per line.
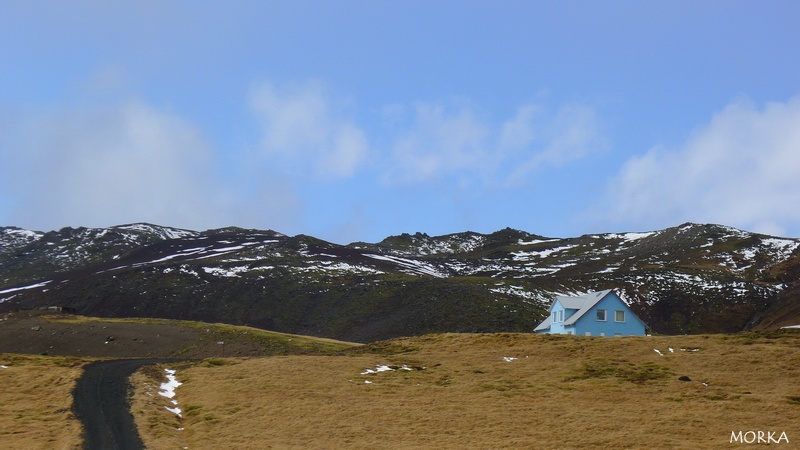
x=684, y=378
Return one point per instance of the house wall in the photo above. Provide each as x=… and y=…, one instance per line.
x=557, y=322
x=556, y=326
x=631, y=326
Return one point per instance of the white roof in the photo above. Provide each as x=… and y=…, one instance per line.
x=544, y=325
x=583, y=303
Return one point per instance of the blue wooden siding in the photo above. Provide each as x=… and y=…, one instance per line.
x=558, y=316
x=610, y=327
x=556, y=324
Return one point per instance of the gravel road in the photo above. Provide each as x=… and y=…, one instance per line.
x=101, y=403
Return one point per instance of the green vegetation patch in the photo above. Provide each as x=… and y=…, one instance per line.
x=215, y=362
x=386, y=348
x=638, y=373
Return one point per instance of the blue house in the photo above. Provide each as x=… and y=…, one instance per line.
x=600, y=313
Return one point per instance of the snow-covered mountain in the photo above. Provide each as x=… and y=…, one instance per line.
x=691, y=278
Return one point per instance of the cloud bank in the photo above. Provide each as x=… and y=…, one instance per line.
x=300, y=131
x=128, y=163
x=133, y=162
x=456, y=144
x=108, y=165
x=741, y=169
x=305, y=131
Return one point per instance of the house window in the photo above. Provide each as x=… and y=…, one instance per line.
x=619, y=316
x=561, y=316
x=601, y=315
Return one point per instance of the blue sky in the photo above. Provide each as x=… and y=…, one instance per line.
x=355, y=120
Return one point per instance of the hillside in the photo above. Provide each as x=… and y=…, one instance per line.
x=497, y=391
x=48, y=334
x=501, y=390
x=686, y=279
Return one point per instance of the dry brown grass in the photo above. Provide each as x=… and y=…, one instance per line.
x=36, y=402
x=561, y=392
x=36, y=391
x=149, y=413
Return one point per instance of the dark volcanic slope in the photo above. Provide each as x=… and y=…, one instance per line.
x=692, y=278
x=34, y=334
x=38, y=332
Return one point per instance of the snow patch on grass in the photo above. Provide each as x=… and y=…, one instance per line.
x=168, y=391
x=388, y=368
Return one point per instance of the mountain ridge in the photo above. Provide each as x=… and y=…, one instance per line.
x=686, y=279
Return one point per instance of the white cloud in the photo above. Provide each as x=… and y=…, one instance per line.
x=107, y=166
x=131, y=162
x=119, y=164
x=571, y=134
x=300, y=130
x=518, y=132
x=437, y=144
x=305, y=133
x=741, y=169
x=441, y=143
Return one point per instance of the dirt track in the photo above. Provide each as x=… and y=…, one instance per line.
x=101, y=403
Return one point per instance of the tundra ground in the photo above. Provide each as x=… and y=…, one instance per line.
x=434, y=391
x=490, y=391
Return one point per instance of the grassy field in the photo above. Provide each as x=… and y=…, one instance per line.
x=36, y=390
x=35, y=402
x=444, y=391
x=487, y=391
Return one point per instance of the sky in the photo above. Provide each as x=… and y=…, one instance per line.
x=356, y=120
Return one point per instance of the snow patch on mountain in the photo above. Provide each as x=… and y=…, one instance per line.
x=521, y=292
x=229, y=272
x=528, y=255
x=535, y=241
x=628, y=238
x=12, y=237
x=22, y=288
x=335, y=268
x=162, y=232
x=451, y=245
x=410, y=265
